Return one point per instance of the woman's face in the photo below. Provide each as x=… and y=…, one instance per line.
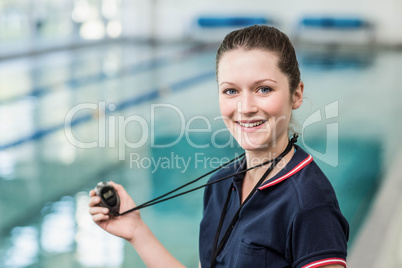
x=254, y=98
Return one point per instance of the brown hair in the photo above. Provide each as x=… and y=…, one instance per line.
x=265, y=38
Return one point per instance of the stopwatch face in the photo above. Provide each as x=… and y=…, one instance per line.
x=109, y=197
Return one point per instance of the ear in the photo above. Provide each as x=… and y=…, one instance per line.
x=298, y=96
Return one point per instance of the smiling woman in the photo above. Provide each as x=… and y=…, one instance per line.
x=280, y=214
x=259, y=86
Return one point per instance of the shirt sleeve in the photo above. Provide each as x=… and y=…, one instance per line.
x=318, y=237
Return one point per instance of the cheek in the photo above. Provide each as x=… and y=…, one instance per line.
x=226, y=107
x=279, y=107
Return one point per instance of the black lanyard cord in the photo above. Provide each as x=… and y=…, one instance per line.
x=216, y=248
x=161, y=198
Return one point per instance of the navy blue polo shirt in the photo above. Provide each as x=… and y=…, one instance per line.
x=293, y=220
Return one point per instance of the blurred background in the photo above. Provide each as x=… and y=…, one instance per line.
x=98, y=90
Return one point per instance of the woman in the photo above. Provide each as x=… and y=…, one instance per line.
x=281, y=214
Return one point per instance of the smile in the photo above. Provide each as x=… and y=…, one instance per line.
x=251, y=124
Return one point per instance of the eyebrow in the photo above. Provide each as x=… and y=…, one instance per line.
x=256, y=82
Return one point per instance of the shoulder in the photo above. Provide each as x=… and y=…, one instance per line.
x=312, y=185
x=302, y=181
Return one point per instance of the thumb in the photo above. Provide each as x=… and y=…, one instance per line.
x=125, y=199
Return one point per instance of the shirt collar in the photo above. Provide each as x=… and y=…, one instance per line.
x=300, y=160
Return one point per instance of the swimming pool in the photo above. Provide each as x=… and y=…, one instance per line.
x=117, y=112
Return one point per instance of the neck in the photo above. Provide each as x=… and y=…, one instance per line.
x=256, y=157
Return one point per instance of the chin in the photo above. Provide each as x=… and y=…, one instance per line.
x=248, y=146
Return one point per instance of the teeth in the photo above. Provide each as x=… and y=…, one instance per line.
x=251, y=124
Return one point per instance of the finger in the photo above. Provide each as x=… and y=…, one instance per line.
x=98, y=210
x=126, y=201
x=100, y=217
x=120, y=189
x=94, y=201
x=92, y=193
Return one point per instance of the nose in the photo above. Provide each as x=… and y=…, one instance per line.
x=247, y=105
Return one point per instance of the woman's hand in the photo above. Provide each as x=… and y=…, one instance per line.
x=123, y=226
x=131, y=227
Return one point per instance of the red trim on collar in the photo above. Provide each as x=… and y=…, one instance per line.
x=296, y=169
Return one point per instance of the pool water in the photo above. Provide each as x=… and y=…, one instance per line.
x=147, y=117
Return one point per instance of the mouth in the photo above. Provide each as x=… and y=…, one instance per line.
x=251, y=124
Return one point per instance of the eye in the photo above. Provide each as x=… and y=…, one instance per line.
x=230, y=91
x=264, y=90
